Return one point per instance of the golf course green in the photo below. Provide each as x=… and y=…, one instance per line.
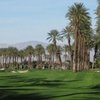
x=50, y=85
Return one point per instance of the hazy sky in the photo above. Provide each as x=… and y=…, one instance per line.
x=30, y=20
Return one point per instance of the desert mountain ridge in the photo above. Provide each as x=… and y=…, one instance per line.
x=23, y=45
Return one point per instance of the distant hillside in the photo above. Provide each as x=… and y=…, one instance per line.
x=3, y=45
x=23, y=44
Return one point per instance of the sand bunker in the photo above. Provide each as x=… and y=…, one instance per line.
x=2, y=69
x=25, y=71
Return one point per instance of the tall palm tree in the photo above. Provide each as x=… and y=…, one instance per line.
x=79, y=19
x=96, y=39
x=97, y=36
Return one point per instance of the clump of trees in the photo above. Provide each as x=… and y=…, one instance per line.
x=80, y=24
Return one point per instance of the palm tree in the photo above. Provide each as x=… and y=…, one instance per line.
x=67, y=32
x=29, y=53
x=53, y=37
x=21, y=55
x=51, y=50
x=13, y=56
x=79, y=20
x=97, y=36
x=10, y=54
x=4, y=57
x=39, y=51
x=0, y=58
x=96, y=39
x=58, y=54
x=66, y=51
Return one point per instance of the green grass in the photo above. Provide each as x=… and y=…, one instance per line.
x=50, y=85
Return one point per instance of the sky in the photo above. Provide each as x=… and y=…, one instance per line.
x=31, y=20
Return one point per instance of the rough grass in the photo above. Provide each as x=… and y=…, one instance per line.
x=50, y=85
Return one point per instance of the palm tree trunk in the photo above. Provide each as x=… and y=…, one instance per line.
x=76, y=52
x=59, y=61
x=3, y=61
x=79, y=54
x=29, y=62
x=86, y=58
x=53, y=59
x=71, y=52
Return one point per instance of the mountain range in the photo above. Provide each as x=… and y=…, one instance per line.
x=23, y=45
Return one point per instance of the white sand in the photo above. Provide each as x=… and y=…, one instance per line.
x=25, y=71
x=2, y=69
x=98, y=71
x=13, y=71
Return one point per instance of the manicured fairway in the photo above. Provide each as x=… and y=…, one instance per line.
x=50, y=85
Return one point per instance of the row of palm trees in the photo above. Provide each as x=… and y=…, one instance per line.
x=11, y=56
x=33, y=57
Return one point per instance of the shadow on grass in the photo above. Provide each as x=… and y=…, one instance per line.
x=78, y=94
x=12, y=91
x=17, y=84
x=11, y=95
x=96, y=87
x=17, y=81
